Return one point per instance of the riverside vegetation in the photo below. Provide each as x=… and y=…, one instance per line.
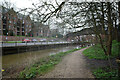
x=44, y=65
x=96, y=52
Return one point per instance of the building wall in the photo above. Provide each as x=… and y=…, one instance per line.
x=54, y=32
x=16, y=25
x=28, y=26
x=12, y=22
x=9, y=22
x=38, y=29
x=46, y=30
x=35, y=29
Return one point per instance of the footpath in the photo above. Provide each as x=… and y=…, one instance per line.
x=73, y=65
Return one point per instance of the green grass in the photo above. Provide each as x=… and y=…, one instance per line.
x=12, y=41
x=96, y=52
x=44, y=65
x=105, y=73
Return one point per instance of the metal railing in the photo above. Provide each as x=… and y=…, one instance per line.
x=16, y=43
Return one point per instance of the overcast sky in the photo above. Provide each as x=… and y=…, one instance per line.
x=20, y=3
x=28, y=3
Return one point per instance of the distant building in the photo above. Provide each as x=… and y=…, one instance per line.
x=85, y=35
x=20, y=27
x=54, y=32
x=10, y=20
x=38, y=29
x=15, y=23
x=28, y=25
x=46, y=30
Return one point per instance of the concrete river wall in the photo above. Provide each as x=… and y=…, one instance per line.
x=20, y=49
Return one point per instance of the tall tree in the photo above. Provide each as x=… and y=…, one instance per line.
x=119, y=41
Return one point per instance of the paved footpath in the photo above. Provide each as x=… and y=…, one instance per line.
x=73, y=65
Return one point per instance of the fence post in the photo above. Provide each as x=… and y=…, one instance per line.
x=15, y=43
x=2, y=43
x=34, y=42
x=26, y=43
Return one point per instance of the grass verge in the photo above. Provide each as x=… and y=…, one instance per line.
x=12, y=41
x=96, y=52
x=106, y=73
x=44, y=65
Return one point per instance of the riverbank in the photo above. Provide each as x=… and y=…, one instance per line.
x=14, y=63
x=44, y=65
x=103, y=66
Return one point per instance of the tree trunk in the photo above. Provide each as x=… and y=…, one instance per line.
x=110, y=27
x=97, y=32
x=119, y=41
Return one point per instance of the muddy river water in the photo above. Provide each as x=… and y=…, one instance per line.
x=25, y=58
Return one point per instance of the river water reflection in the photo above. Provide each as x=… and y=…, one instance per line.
x=30, y=57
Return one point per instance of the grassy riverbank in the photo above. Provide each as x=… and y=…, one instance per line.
x=44, y=65
x=96, y=53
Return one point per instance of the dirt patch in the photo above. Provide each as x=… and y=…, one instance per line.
x=94, y=64
x=12, y=72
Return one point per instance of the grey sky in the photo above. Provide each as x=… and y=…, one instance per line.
x=20, y=3
x=28, y=3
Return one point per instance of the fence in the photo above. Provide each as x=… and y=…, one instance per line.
x=16, y=43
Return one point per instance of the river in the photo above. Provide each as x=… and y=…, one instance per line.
x=22, y=59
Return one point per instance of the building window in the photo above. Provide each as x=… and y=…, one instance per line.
x=25, y=33
x=4, y=17
x=9, y=26
x=23, y=22
x=9, y=17
x=10, y=22
x=14, y=22
x=14, y=18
